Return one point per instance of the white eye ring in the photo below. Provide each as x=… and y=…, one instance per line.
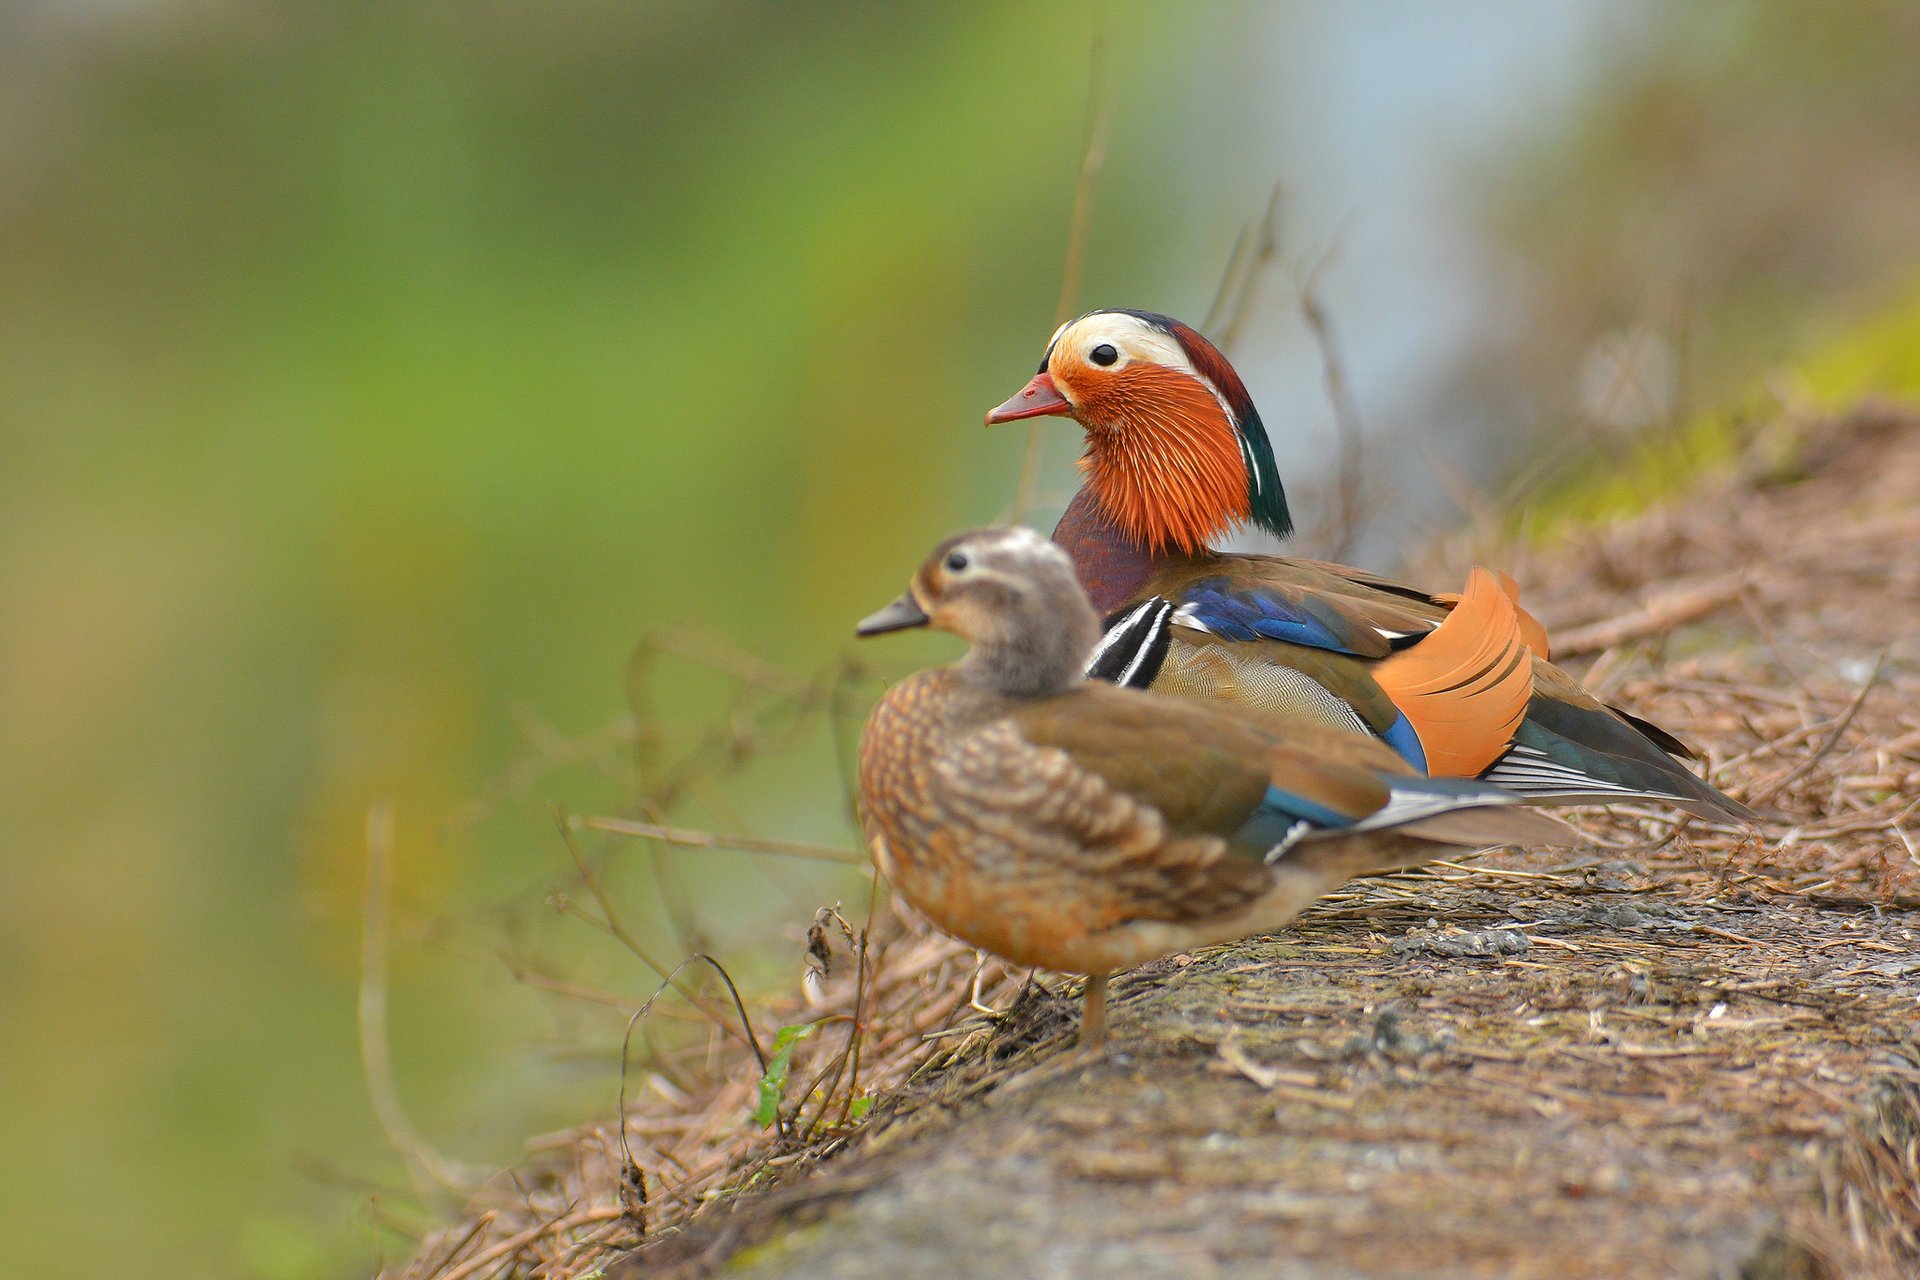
x=957, y=562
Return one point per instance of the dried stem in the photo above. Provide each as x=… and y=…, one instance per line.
x=610, y=920
x=376, y=1056
x=1346, y=411
x=1792, y=775
x=1093, y=154
x=1233, y=299
x=690, y=838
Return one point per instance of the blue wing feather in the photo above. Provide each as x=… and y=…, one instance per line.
x=1254, y=615
x=1284, y=818
x=1300, y=809
x=1400, y=736
x=1281, y=819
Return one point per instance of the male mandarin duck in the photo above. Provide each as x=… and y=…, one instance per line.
x=1458, y=686
x=1067, y=823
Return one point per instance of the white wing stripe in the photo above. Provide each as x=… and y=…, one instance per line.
x=1154, y=631
x=1533, y=773
x=1411, y=806
x=1120, y=628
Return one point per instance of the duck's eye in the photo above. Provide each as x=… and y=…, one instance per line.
x=957, y=561
x=1104, y=354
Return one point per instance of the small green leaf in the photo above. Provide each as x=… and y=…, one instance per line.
x=774, y=1083
x=858, y=1111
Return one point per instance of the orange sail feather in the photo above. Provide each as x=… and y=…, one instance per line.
x=1466, y=685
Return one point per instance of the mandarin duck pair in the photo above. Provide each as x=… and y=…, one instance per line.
x=1241, y=733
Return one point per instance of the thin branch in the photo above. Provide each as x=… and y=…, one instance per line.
x=1798, y=771
x=1093, y=154
x=1346, y=411
x=694, y=839
x=753, y=732
x=626, y=1041
x=1771, y=638
x=846, y=746
x=723, y=656
x=862, y=994
x=1233, y=300
x=520, y=1240
x=613, y=925
x=608, y=914
x=459, y=1245
x=589, y=995
x=1656, y=617
x=1233, y=279
x=376, y=1056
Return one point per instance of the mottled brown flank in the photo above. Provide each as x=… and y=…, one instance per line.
x=1162, y=458
x=1089, y=830
x=1017, y=848
x=1211, y=769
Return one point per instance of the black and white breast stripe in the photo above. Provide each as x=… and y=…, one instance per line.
x=1134, y=646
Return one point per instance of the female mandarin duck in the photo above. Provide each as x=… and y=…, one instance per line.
x=1458, y=686
x=1066, y=823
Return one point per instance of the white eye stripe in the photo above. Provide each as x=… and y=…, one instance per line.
x=1131, y=336
x=1135, y=339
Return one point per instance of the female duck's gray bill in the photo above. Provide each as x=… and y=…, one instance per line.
x=898, y=616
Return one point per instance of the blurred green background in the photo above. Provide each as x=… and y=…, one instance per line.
x=374, y=377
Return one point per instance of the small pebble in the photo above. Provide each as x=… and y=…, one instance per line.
x=1482, y=942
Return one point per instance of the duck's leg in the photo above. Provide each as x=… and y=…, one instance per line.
x=1093, y=1022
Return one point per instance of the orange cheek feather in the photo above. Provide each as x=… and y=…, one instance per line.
x=1162, y=457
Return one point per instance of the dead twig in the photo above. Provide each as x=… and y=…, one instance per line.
x=1254, y=249
x=611, y=922
x=1346, y=410
x=376, y=1056
x=1657, y=617
x=690, y=838
x=1093, y=155
x=1800, y=770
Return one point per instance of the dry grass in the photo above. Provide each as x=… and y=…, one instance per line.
x=1798, y=583
x=1686, y=992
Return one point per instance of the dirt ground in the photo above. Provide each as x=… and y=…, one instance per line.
x=1686, y=1051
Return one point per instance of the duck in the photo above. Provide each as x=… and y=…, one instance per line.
x=1077, y=825
x=1458, y=685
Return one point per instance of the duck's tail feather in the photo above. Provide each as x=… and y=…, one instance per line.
x=1465, y=811
x=1571, y=755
